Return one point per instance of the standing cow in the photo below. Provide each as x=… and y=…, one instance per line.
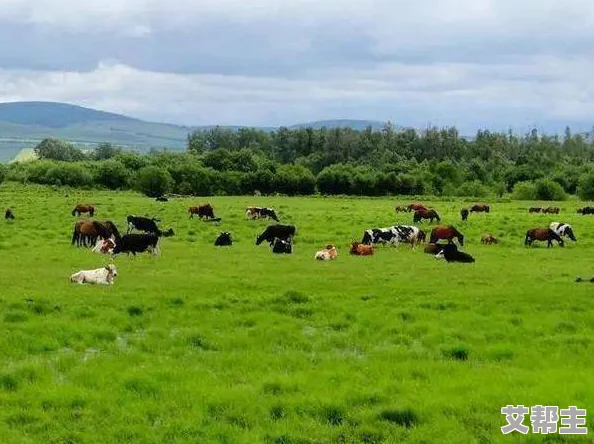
x=204, y=211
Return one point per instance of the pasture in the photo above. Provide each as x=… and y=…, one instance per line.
x=236, y=345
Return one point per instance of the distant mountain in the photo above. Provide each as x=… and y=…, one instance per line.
x=24, y=124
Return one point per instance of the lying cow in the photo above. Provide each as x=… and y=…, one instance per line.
x=261, y=213
x=162, y=199
x=103, y=276
x=272, y=232
x=451, y=253
x=360, y=249
x=281, y=246
x=328, y=254
x=433, y=248
x=136, y=243
x=224, y=239
x=8, y=214
x=104, y=246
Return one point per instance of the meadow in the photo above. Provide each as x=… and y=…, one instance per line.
x=204, y=344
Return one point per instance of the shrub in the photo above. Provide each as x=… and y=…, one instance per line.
x=524, y=191
x=586, y=186
x=153, y=181
x=112, y=174
x=472, y=189
x=546, y=189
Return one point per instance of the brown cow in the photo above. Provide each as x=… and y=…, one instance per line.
x=83, y=208
x=446, y=232
x=480, y=208
x=415, y=207
x=551, y=210
x=488, y=239
x=425, y=214
x=203, y=211
x=360, y=249
x=464, y=214
x=543, y=234
x=86, y=232
x=534, y=210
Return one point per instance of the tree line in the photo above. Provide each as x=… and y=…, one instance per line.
x=305, y=161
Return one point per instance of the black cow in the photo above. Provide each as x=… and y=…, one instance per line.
x=224, y=239
x=283, y=232
x=450, y=253
x=281, y=246
x=586, y=210
x=8, y=214
x=136, y=243
x=162, y=199
x=142, y=224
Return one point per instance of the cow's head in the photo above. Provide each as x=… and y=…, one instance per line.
x=112, y=272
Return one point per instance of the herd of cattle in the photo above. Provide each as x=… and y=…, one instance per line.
x=105, y=237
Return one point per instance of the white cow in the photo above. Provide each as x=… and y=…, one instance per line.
x=328, y=254
x=104, y=276
x=563, y=230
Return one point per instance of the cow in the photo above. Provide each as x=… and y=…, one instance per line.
x=401, y=209
x=224, y=239
x=83, y=208
x=480, y=208
x=359, y=249
x=394, y=235
x=542, y=234
x=327, y=254
x=8, y=214
x=281, y=246
x=86, y=232
x=425, y=214
x=261, y=213
x=415, y=207
x=147, y=225
x=204, y=211
x=104, y=246
x=284, y=232
x=162, y=199
x=487, y=239
x=464, y=214
x=585, y=210
x=563, y=230
x=137, y=243
x=534, y=210
x=450, y=253
x=551, y=210
x=448, y=232
x=102, y=276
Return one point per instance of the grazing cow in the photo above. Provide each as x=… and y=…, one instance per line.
x=416, y=207
x=394, y=235
x=328, y=254
x=585, y=210
x=551, y=210
x=104, y=246
x=137, y=243
x=103, y=276
x=534, y=210
x=401, y=209
x=284, y=232
x=487, y=239
x=204, y=211
x=446, y=232
x=360, y=249
x=147, y=225
x=480, y=208
x=433, y=248
x=84, y=233
x=451, y=253
x=425, y=214
x=224, y=239
x=83, y=208
x=162, y=199
x=281, y=246
x=563, y=230
x=464, y=214
x=8, y=214
x=261, y=213
x=543, y=234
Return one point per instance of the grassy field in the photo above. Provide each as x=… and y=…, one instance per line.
x=237, y=345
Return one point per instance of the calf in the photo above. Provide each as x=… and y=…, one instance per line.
x=464, y=214
x=488, y=239
x=224, y=239
x=272, y=232
x=103, y=276
x=136, y=243
x=451, y=253
x=360, y=249
x=104, y=246
x=328, y=254
x=281, y=246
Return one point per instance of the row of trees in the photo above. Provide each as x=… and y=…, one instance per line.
x=330, y=161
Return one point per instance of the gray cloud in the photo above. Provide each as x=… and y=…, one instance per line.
x=449, y=62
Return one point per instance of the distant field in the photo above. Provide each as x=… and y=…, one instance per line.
x=237, y=345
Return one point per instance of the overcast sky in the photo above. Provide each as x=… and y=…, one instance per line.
x=473, y=64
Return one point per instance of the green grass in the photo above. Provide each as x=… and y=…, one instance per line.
x=237, y=345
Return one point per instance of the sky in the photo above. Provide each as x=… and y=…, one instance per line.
x=472, y=64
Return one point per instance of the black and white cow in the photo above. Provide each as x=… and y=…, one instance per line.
x=450, y=253
x=563, y=230
x=224, y=239
x=393, y=235
x=137, y=243
x=283, y=232
x=147, y=225
x=281, y=246
x=261, y=213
